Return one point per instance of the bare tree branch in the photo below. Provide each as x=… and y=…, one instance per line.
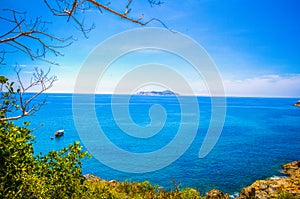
x=31, y=37
x=155, y=3
x=68, y=8
x=2, y=55
x=35, y=32
x=24, y=103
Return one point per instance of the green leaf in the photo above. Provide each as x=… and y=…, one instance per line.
x=3, y=79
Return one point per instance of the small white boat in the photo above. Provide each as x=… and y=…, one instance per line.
x=297, y=104
x=59, y=133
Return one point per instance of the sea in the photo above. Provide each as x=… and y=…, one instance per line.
x=258, y=135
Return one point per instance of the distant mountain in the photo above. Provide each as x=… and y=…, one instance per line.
x=157, y=93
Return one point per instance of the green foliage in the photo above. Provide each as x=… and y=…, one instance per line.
x=16, y=158
x=62, y=171
x=3, y=79
x=98, y=188
x=286, y=195
x=8, y=100
x=23, y=175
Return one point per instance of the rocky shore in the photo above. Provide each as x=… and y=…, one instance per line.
x=279, y=187
x=276, y=187
x=288, y=186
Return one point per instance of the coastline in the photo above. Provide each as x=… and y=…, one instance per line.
x=287, y=186
x=239, y=144
x=274, y=187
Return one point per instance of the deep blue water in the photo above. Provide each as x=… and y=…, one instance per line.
x=259, y=135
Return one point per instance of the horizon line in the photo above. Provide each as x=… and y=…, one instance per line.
x=196, y=95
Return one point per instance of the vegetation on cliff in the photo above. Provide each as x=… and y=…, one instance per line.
x=99, y=188
x=24, y=175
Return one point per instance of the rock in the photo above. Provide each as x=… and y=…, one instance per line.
x=113, y=181
x=273, y=187
x=292, y=168
x=263, y=186
x=248, y=192
x=193, y=191
x=261, y=194
x=216, y=194
x=89, y=176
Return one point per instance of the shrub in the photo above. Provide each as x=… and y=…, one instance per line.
x=58, y=174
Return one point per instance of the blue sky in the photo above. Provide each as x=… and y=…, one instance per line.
x=254, y=44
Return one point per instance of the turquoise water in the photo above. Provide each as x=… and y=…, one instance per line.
x=259, y=135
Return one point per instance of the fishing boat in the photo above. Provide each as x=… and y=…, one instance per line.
x=59, y=133
x=297, y=104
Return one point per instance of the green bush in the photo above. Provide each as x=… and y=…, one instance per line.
x=286, y=195
x=98, y=188
x=23, y=175
x=16, y=159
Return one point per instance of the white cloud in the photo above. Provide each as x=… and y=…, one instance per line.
x=272, y=85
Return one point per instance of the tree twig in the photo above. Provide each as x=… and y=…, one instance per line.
x=42, y=80
x=35, y=33
x=67, y=8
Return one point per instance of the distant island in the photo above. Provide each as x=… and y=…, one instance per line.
x=157, y=93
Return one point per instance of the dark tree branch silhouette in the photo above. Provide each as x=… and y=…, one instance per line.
x=19, y=101
x=31, y=37
x=70, y=9
x=35, y=33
